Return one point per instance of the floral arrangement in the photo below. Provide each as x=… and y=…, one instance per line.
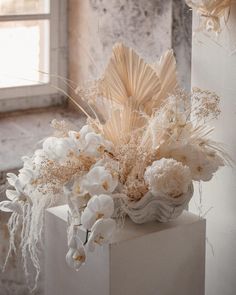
x=143, y=146
x=211, y=12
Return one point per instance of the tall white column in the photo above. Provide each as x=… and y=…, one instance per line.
x=214, y=68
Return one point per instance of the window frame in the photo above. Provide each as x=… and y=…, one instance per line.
x=42, y=95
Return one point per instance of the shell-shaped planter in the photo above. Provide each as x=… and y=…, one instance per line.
x=162, y=208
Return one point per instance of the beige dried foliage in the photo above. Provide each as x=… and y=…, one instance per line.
x=129, y=90
x=54, y=175
x=211, y=12
x=211, y=7
x=205, y=104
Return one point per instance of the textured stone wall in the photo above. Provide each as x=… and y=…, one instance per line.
x=149, y=26
x=182, y=40
x=95, y=26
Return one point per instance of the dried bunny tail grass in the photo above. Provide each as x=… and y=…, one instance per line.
x=34, y=243
x=13, y=225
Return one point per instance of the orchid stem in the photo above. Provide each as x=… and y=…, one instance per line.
x=87, y=235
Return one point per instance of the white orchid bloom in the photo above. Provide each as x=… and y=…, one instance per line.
x=98, y=207
x=94, y=144
x=58, y=148
x=203, y=162
x=13, y=195
x=99, y=181
x=88, y=142
x=85, y=130
x=10, y=206
x=28, y=162
x=12, y=179
x=76, y=255
x=77, y=200
x=101, y=233
x=18, y=182
x=25, y=176
x=80, y=136
x=75, y=258
x=39, y=156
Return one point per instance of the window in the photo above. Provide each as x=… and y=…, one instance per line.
x=32, y=53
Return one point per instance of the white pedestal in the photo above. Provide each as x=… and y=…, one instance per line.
x=148, y=259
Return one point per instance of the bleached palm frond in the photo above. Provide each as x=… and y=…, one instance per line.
x=166, y=70
x=130, y=88
x=122, y=122
x=111, y=130
x=127, y=75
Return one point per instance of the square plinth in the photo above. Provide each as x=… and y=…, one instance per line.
x=147, y=259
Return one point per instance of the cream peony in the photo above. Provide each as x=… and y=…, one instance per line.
x=168, y=177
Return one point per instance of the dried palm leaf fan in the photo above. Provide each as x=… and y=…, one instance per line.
x=129, y=89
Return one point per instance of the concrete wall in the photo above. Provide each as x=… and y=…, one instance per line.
x=214, y=68
x=149, y=26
